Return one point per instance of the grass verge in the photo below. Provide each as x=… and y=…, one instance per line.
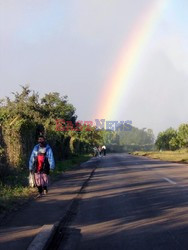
x=14, y=190
x=63, y=166
x=174, y=156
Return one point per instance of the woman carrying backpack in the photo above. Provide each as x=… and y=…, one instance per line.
x=40, y=163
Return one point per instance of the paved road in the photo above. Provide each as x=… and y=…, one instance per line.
x=132, y=203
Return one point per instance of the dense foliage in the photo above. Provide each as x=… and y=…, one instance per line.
x=172, y=139
x=27, y=115
x=133, y=139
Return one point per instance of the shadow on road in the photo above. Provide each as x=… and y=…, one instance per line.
x=127, y=206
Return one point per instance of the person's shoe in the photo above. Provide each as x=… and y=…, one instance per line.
x=39, y=195
x=45, y=191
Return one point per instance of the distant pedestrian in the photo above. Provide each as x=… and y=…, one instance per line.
x=100, y=150
x=95, y=151
x=104, y=150
x=40, y=163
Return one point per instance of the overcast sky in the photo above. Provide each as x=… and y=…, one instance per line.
x=71, y=47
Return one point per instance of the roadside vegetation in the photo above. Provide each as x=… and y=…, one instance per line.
x=22, y=118
x=128, y=138
x=170, y=145
x=180, y=155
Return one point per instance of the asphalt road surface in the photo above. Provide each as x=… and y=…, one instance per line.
x=132, y=203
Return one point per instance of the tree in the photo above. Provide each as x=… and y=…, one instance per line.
x=164, y=139
x=174, y=143
x=182, y=135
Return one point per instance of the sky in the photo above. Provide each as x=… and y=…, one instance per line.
x=74, y=46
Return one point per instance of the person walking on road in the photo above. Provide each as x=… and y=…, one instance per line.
x=40, y=163
x=95, y=151
x=100, y=150
x=104, y=150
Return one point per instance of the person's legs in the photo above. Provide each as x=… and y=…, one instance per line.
x=45, y=189
x=40, y=191
x=38, y=183
x=45, y=183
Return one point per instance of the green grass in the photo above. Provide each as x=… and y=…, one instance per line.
x=12, y=196
x=14, y=190
x=69, y=164
x=175, y=156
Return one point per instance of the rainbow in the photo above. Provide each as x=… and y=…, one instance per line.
x=127, y=62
